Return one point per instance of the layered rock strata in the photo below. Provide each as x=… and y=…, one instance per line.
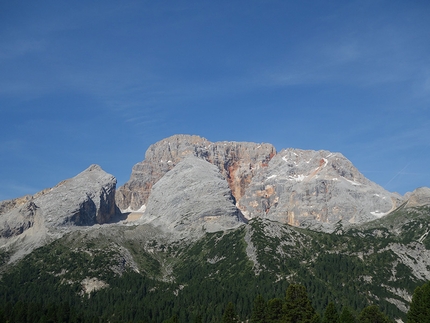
x=86, y=199
x=299, y=186
x=236, y=161
x=193, y=197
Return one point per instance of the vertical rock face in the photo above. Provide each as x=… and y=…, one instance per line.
x=193, y=197
x=297, y=187
x=159, y=159
x=85, y=199
x=237, y=162
x=300, y=186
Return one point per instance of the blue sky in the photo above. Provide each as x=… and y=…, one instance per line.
x=88, y=82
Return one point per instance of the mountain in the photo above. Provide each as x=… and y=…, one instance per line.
x=298, y=187
x=237, y=162
x=203, y=224
x=84, y=200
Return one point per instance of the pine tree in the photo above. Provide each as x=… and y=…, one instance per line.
x=274, y=310
x=372, y=314
x=297, y=307
x=173, y=319
x=316, y=319
x=230, y=315
x=419, y=311
x=330, y=314
x=347, y=316
x=259, y=310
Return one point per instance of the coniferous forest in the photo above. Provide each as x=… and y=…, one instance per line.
x=295, y=276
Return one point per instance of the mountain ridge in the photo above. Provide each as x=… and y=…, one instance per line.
x=224, y=218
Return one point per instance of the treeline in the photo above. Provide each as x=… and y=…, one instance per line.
x=294, y=308
x=297, y=308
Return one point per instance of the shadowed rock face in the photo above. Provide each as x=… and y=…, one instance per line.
x=236, y=161
x=192, y=197
x=86, y=199
x=303, y=185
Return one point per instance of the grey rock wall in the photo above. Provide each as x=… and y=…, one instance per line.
x=301, y=186
x=237, y=162
x=193, y=197
x=419, y=197
x=86, y=199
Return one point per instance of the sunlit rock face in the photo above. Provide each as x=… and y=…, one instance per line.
x=419, y=197
x=301, y=186
x=86, y=199
x=238, y=162
x=193, y=197
x=293, y=186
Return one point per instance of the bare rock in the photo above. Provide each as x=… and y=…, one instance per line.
x=159, y=159
x=86, y=199
x=237, y=162
x=193, y=197
x=419, y=197
x=303, y=186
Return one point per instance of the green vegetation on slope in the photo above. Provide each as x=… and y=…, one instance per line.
x=150, y=280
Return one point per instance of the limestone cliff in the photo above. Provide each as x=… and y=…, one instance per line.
x=300, y=186
x=419, y=197
x=237, y=162
x=192, y=198
x=86, y=199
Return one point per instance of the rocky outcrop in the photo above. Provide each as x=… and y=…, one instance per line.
x=298, y=187
x=86, y=199
x=419, y=197
x=302, y=186
x=193, y=197
x=236, y=161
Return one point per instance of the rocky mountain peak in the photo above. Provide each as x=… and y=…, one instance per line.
x=419, y=197
x=237, y=162
x=301, y=186
x=86, y=199
x=294, y=186
x=192, y=198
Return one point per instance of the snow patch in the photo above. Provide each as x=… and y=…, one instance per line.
x=297, y=178
x=352, y=182
x=272, y=176
x=379, y=214
x=129, y=209
x=325, y=162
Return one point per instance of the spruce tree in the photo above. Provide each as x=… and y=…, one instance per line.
x=230, y=315
x=259, y=310
x=347, y=316
x=316, y=319
x=274, y=310
x=419, y=311
x=297, y=307
x=372, y=314
x=330, y=314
